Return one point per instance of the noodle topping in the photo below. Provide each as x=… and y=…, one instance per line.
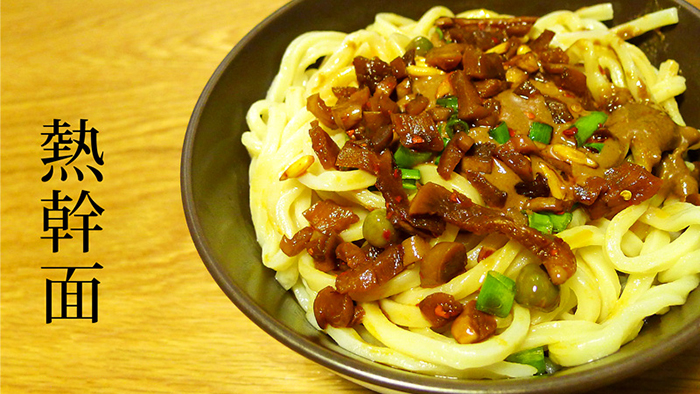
x=540, y=166
x=492, y=155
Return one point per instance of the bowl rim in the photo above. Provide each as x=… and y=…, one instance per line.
x=361, y=371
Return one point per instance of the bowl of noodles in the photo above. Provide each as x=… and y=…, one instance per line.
x=457, y=197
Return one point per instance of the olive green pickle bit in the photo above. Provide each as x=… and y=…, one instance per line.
x=534, y=289
x=420, y=44
x=378, y=230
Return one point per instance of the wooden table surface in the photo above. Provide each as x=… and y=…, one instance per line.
x=134, y=70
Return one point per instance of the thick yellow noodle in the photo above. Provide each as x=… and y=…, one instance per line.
x=656, y=243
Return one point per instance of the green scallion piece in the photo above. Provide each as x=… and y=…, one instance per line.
x=409, y=184
x=407, y=158
x=408, y=173
x=455, y=123
x=549, y=222
x=534, y=357
x=440, y=33
x=500, y=133
x=597, y=146
x=540, y=222
x=560, y=221
x=587, y=125
x=497, y=294
x=541, y=132
x=448, y=102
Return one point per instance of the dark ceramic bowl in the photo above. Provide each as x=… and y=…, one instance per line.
x=215, y=193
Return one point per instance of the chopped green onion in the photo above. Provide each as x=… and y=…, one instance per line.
x=408, y=173
x=497, y=294
x=409, y=184
x=500, y=133
x=534, y=357
x=541, y=132
x=540, y=222
x=440, y=33
x=548, y=222
x=455, y=121
x=448, y=102
x=409, y=178
x=598, y=146
x=407, y=158
x=561, y=221
x=420, y=44
x=587, y=125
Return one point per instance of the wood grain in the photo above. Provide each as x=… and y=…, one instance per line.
x=135, y=69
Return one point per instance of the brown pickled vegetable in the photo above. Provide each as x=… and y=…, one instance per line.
x=414, y=249
x=361, y=282
x=326, y=216
x=624, y=162
x=351, y=254
x=325, y=148
x=623, y=186
x=417, y=132
x=295, y=245
x=321, y=247
x=453, y=153
x=440, y=308
x=459, y=210
x=371, y=72
x=355, y=155
x=472, y=325
x=321, y=111
x=443, y=262
x=492, y=195
x=470, y=105
x=397, y=203
x=331, y=307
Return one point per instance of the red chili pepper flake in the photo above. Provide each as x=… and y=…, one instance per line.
x=484, y=252
x=386, y=234
x=416, y=139
x=397, y=173
x=453, y=197
x=439, y=311
x=350, y=132
x=511, y=132
x=530, y=115
x=570, y=132
x=397, y=199
x=554, y=252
